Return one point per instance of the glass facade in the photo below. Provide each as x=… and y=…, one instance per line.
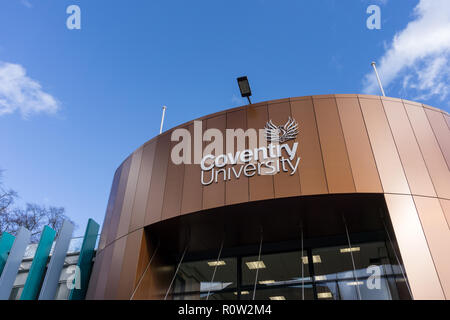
x=348, y=267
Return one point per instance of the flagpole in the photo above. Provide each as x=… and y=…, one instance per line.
x=162, y=119
x=374, y=65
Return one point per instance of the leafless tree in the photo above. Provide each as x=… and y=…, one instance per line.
x=7, y=198
x=33, y=217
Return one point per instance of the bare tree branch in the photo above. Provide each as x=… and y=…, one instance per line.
x=33, y=217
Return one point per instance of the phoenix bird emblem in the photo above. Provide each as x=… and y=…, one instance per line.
x=281, y=134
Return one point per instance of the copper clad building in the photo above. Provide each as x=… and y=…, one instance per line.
x=365, y=215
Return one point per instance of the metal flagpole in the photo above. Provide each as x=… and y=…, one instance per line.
x=374, y=65
x=162, y=119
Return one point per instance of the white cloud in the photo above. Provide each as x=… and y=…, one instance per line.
x=419, y=55
x=20, y=93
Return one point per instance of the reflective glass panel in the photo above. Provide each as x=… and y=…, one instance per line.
x=196, y=276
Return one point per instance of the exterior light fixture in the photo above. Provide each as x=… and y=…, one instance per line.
x=355, y=283
x=266, y=282
x=353, y=249
x=255, y=265
x=324, y=295
x=244, y=87
x=216, y=263
x=277, y=298
x=242, y=293
x=316, y=259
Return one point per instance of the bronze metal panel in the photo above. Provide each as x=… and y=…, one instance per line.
x=143, y=185
x=214, y=194
x=145, y=252
x=285, y=184
x=368, y=96
x=118, y=202
x=438, y=236
x=109, y=209
x=441, y=131
x=192, y=188
x=96, y=269
x=447, y=118
x=130, y=260
x=115, y=268
x=324, y=96
x=392, y=177
x=99, y=292
x=360, y=153
x=143, y=279
x=161, y=275
x=154, y=274
x=412, y=102
x=236, y=190
x=158, y=182
x=130, y=192
x=173, y=189
x=144, y=289
x=417, y=260
x=424, y=106
x=415, y=169
x=312, y=172
x=446, y=208
x=434, y=159
x=261, y=187
x=337, y=166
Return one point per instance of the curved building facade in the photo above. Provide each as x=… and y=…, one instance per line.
x=349, y=198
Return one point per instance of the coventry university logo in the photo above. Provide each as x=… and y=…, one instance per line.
x=281, y=133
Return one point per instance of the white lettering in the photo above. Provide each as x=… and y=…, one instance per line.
x=202, y=163
x=294, y=169
x=249, y=170
x=291, y=152
x=221, y=161
x=246, y=155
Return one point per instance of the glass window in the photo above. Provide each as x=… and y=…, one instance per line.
x=328, y=269
x=289, y=270
x=336, y=278
x=285, y=293
x=196, y=276
x=275, y=269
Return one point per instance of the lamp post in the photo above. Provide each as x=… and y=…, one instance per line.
x=244, y=87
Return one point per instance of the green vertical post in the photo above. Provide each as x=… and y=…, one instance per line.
x=6, y=242
x=37, y=270
x=85, y=261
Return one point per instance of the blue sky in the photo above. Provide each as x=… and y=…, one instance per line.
x=75, y=103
